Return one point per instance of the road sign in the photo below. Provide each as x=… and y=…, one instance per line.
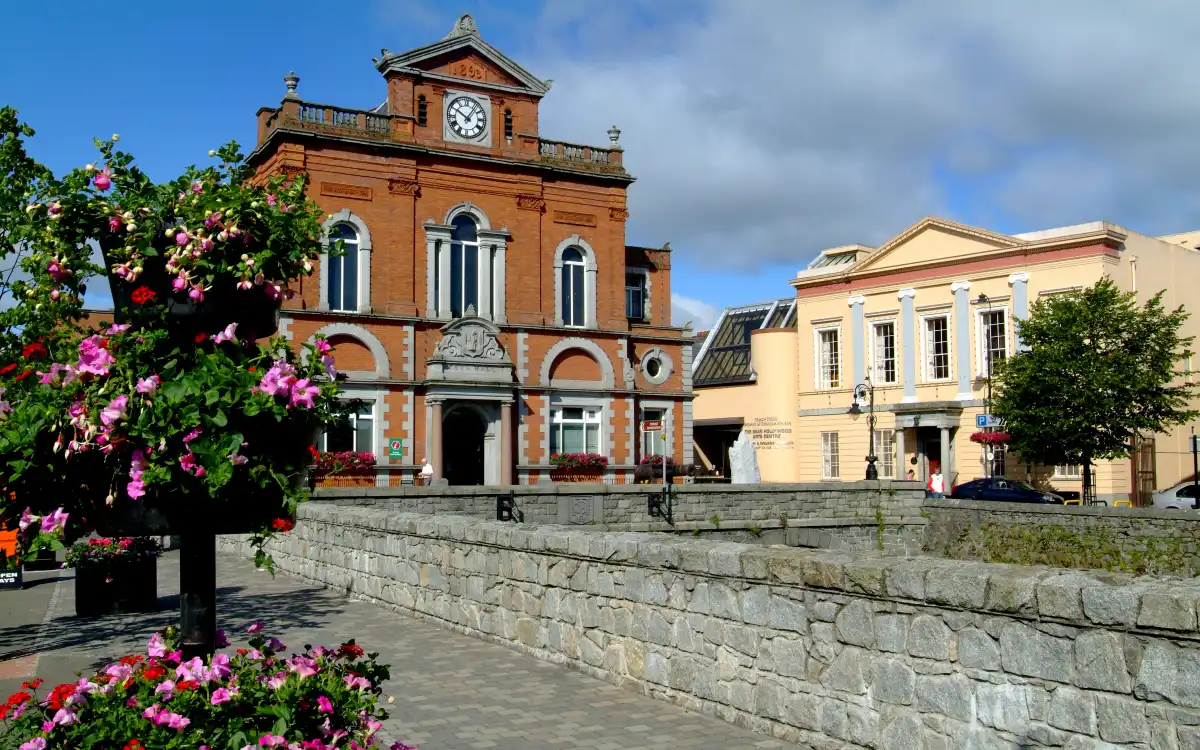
x=652, y=425
x=987, y=420
x=395, y=448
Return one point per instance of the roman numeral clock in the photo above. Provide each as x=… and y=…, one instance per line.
x=467, y=118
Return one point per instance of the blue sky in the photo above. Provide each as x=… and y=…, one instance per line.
x=761, y=131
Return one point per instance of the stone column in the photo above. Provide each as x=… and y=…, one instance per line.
x=857, y=346
x=430, y=261
x=944, y=453
x=435, y=439
x=484, y=279
x=506, y=443
x=501, y=272
x=962, y=337
x=901, y=471
x=950, y=470
x=443, y=261
x=1020, y=299
x=908, y=343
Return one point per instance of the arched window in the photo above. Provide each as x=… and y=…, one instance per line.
x=464, y=265
x=574, y=292
x=343, y=270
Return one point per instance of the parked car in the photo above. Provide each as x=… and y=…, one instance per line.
x=1001, y=490
x=1181, y=496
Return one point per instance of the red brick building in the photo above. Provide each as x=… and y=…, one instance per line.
x=487, y=308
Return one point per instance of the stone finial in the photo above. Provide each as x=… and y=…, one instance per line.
x=291, y=80
x=614, y=136
x=464, y=26
x=470, y=312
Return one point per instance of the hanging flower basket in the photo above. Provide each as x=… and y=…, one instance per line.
x=990, y=438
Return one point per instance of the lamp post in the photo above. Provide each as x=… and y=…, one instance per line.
x=867, y=390
x=987, y=408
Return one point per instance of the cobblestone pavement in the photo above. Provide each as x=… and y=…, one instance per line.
x=452, y=691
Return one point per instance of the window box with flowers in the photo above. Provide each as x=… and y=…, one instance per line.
x=343, y=468
x=115, y=576
x=578, y=467
x=991, y=438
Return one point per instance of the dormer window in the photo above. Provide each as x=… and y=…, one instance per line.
x=422, y=111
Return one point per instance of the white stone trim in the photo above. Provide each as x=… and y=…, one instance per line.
x=668, y=410
x=909, y=292
x=602, y=402
x=647, y=307
x=363, y=264
x=379, y=411
x=470, y=209
x=589, y=280
x=589, y=346
x=1021, y=277
x=383, y=369
x=855, y=300
x=409, y=344
x=492, y=279
x=666, y=369
x=963, y=285
x=522, y=357
x=285, y=326
x=624, y=353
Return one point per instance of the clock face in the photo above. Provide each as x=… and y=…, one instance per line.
x=466, y=117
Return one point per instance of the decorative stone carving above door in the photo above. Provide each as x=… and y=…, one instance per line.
x=470, y=352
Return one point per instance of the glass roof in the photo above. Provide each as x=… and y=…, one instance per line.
x=837, y=259
x=726, y=360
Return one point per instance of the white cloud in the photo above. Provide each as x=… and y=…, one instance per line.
x=701, y=314
x=765, y=130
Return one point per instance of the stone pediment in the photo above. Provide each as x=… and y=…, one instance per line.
x=469, y=351
x=463, y=56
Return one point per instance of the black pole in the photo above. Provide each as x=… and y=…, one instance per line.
x=198, y=593
x=1195, y=474
x=989, y=450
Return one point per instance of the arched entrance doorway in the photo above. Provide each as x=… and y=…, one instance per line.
x=463, y=432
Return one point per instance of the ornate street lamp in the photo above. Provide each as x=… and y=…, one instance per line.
x=867, y=390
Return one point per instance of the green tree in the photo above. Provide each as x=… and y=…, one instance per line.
x=1098, y=370
x=20, y=176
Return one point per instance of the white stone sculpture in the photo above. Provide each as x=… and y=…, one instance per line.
x=743, y=463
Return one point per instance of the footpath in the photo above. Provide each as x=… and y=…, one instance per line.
x=451, y=691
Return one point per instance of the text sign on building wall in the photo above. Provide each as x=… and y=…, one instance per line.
x=395, y=448
x=652, y=425
x=770, y=433
x=341, y=190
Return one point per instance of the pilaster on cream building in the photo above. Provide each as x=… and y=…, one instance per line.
x=920, y=316
x=486, y=309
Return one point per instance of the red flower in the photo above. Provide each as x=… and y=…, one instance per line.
x=351, y=649
x=200, y=337
x=185, y=685
x=282, y=524
x=134, y=744
x=243, y=651
x=153, y=672
x=252, y=369
x=8, y=368
x=143, y=294
x=24, y=375
x=31, y=684
x=60, y=694
x=36, y=350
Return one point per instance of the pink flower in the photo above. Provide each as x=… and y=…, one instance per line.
x=181, y=239
x=244, y=284
x=179, y=283
x=189, y=464
x=330, y=369
x=27, y=519
x=54, y=522
x=37, y=743
x=65, y=716
x=278, y=380
x=255, y=627
x=157, y=647
x=119, y=672
x=196, y=294
x=303, y=394
x=93, y=358
x=270, y=199
x=115, y=411
x=271, y=740
x=51, y=378
x=193, y=669
x=103, y=179
x=357, y=683
x=220, y=662
x=275, y=644
x=229, y=334
x=219, y=696
x=166, y=687
x=114, y=223
x=54, y=208
x=57, y=271
x=197, y=187
x=323, y=346
x=192, y=435
x=323, y=705
x=149, y=386
x=211, y=221
x=117, y=328
x=303, y=666
x=277, y=681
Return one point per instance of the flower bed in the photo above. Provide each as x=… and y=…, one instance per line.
x=318, y=700
x=115, y=576
x=343, y=468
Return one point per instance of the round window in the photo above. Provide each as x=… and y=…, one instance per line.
x=653, y=367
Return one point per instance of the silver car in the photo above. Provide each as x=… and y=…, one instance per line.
x=1180, y=497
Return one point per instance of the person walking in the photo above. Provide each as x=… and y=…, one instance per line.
x=936, y=486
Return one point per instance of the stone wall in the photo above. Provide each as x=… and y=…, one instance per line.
x=1137, y=540
x=840, y=515
x=827, y=649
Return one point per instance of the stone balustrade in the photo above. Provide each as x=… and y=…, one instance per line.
x=828, y=649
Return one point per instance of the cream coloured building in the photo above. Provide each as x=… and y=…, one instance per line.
x=920, y=316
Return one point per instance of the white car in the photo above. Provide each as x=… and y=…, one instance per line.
x=1180, y=497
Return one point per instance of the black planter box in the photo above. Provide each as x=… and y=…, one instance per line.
x=46, y=560
x=116, y=587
